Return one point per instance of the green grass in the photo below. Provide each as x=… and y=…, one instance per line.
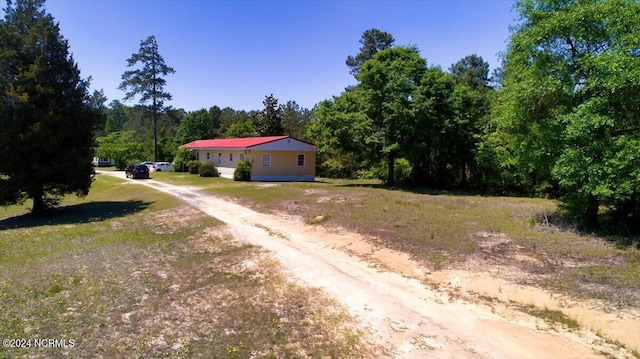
x=441, y=228
x=553, y=318
x=616, y=343
x=613, y=279
x=131, y=272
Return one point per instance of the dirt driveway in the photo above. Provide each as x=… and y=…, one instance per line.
x=392, y=296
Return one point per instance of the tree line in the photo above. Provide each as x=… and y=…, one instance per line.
x=559, y=117
x=127, y=136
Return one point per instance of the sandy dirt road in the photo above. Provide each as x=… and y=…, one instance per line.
x=387, y=292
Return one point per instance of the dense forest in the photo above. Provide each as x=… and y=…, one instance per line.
x=559, y=118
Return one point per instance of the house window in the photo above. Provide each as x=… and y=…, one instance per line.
x=230, y=157
x=242, y=157
x=219, y=158
x=207, y=155
x=266, y=160
x=198, y=156
x=301, y=160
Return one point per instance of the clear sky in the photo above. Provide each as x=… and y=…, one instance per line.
x=234, y=53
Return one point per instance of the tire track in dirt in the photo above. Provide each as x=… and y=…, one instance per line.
x=407, y=317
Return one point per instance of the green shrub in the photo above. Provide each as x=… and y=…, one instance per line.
x=194, y=166
x=122, y=164
x=208, y=170
x=401, y=173
x=181, y=161
x=243, y=171
x=371, y=173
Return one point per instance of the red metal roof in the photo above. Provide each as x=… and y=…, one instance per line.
x=232, y=142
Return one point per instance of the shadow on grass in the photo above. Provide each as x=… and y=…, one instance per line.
x=623, y=235
x=77, y=213
x=366, y=185
x=420, y=190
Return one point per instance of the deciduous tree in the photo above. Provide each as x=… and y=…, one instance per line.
x=195, y=125
x=241, y=129
x=471, y=101
x=570, y=100
x=400, y=112
x=121, y=146
x=340, y=129
x=389, y=82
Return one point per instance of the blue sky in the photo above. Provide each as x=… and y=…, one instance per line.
x=234, y=53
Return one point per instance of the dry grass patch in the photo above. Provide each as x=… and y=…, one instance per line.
x=553, y=318
x=442, y=230
x=163, y=281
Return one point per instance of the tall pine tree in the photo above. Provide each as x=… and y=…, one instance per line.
x=148, y=82
x=269, y=122
x=47, y=121
x=373, y=41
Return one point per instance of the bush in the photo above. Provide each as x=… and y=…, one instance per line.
x=122, y=164
x=371, y=173
x=401, y=173
x=208, y=170
x=243, y=171
x=194, y=167
x=181, y=161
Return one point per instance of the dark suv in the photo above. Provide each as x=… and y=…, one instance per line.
x=137, y=171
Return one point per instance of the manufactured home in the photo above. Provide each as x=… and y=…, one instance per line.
x=103, y=161
x=273, y=158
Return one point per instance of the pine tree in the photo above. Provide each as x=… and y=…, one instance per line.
x=47, y=121
x=270, y=120
x=148, y=82
x=373, y=41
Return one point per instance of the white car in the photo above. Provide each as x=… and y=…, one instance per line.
x=149, y=165
x=162, y=167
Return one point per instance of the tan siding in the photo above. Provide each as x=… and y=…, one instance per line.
x=213, y=157
x=283, y=163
